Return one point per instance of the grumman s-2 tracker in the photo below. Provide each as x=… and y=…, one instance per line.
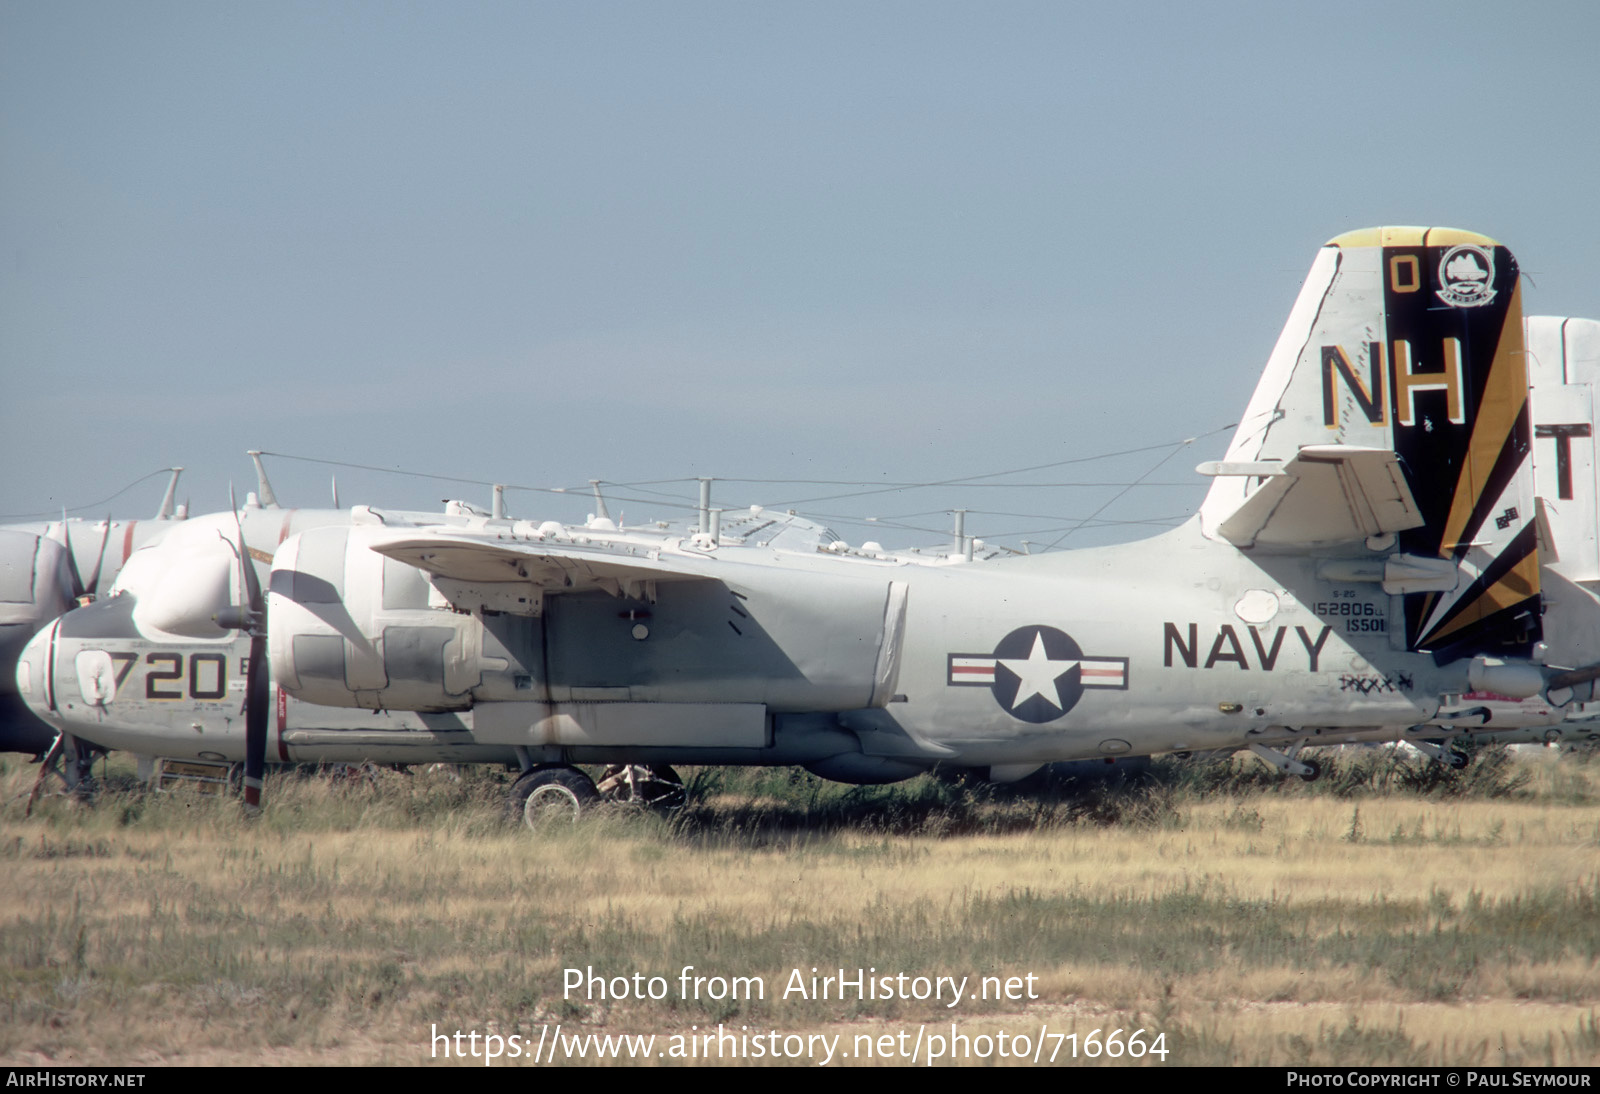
x=1368, y=555
x=45, y=568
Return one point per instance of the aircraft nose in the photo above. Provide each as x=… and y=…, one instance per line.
x=52, y=658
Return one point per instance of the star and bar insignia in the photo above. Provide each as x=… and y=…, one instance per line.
x=1037, y=673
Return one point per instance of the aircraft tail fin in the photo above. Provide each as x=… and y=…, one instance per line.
x=1564, y=363
x=1406, y=341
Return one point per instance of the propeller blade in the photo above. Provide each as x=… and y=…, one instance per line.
x=93, y=583
x=72, y=559
x=251, y=583
x=256, y=700
x=256, y=693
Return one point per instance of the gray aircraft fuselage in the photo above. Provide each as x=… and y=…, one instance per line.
x=1175, y=643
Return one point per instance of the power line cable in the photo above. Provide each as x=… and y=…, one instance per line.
x=91, y=505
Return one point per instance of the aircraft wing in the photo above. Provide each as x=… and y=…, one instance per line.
x=617, y=568
x=1324, y=494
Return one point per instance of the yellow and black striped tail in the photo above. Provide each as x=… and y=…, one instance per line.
x=1457, y=403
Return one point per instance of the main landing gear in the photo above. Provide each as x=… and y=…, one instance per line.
x=652, y=787
x=556, y=793
x=68, y=761
x=550, y=794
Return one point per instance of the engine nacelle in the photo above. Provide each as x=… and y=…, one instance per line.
x=349, y=627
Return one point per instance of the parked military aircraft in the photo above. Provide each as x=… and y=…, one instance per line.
x=1368, y=551
x=45, y=568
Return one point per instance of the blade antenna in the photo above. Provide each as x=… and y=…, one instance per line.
x=264, y=493
x=171, y=495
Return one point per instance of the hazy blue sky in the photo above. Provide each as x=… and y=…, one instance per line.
x=543, y=243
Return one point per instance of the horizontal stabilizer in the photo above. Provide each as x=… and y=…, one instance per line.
x=1325, y=494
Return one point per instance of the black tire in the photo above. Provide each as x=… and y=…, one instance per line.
x=1315, y=773
x=1456, y=760
x=549, y=794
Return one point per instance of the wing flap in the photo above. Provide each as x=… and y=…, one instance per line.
x=1326, y=494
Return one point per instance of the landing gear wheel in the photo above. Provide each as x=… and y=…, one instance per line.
x=652, y=787
x=1315, y=773
x=1456, y=760
x=551, y=794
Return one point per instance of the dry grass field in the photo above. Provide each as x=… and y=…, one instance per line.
x=1391, y=913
